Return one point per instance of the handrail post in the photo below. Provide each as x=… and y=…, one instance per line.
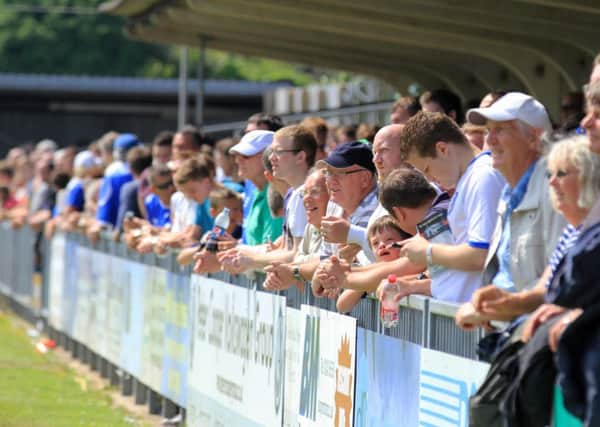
x=426, y=331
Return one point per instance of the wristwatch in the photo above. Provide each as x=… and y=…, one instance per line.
x=429, y=255
x=296, y=272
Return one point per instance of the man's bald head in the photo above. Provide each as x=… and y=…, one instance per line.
x=386, y=150
x=390, y=131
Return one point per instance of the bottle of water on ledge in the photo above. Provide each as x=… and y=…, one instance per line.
x=389, y=307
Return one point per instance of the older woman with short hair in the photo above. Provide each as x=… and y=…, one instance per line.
x=576, y=336
x=574, y=179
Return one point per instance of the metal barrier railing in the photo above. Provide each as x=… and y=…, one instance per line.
x=422, y=321
x=17, y=265
x=89, y=300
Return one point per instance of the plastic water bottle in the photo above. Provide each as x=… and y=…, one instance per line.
x=221, y=224
x=389, y=307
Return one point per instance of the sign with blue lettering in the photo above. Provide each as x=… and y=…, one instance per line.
x=328, y=369
x=446, y=384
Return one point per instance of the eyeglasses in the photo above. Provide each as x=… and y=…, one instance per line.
x=278, y=152
x=315, y=194
x=329, y=174
x=164, y=185
x=558, y=174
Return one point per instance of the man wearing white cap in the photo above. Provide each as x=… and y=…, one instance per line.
x=259, y=226
x=291, y=155
x=528, y=228
x=72, y=199
x=85, y=165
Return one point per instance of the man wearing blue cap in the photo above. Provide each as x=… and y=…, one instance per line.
x=352, y=185
x=115, y=176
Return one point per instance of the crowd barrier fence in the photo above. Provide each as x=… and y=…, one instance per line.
x=228, y=353
x=20, y=248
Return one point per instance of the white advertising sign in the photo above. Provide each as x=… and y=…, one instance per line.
x=101, y=279
x=153, y=344
x=236, y=362
x=82, y=287
x=295, y=324
x=57, y=281
x=119, y=277
x=328, y=369
x=446, y=383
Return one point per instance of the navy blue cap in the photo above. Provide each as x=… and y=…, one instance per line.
x=125, y=141
x=351, y=153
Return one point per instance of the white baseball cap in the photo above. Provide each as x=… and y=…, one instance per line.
x=46, y=145
x=512, y=106
x=253, y=142
x=86, y=160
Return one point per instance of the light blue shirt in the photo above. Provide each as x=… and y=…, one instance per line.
x=511, y=198
x=249, y=192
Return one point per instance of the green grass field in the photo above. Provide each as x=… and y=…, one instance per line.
x=39, y=391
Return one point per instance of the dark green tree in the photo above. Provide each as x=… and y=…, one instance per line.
x=71, y=37
x=42, y=38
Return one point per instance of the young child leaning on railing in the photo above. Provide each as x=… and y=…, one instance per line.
x=381, y=234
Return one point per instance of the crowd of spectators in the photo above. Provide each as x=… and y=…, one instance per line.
x=495, y=209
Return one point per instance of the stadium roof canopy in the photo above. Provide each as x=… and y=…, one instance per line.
x=471, y=46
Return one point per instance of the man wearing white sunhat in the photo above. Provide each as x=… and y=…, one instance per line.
x=259, y=225
x=86, y=165
x=528, y=228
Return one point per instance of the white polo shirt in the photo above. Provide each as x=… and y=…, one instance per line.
x=472, y=219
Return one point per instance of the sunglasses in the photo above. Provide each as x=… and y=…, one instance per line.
x=559, y=174
x=165, y=185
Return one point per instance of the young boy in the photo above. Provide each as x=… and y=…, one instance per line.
x=194, y=182
x=381, y=234
x=220, y=199
x=227, y=198
x=157, y=203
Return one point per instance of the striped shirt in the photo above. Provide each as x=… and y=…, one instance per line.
x=567, y=239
